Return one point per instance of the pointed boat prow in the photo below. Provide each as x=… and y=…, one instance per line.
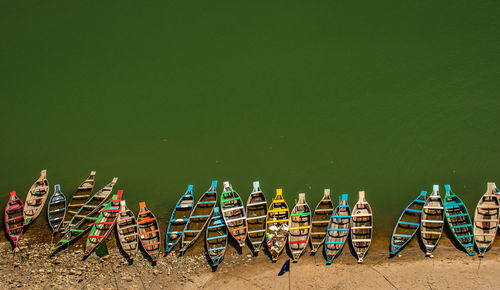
x=190, y=189
x=214, y=184
x=256, y=186
x=12, y=193
x=142, y=204
x=361, y=196
x=302, y=198
x=491, y=187
x=326, y=193
x=119, y=195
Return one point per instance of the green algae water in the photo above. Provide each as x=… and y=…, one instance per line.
x=389, y=97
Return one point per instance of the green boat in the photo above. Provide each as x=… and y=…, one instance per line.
x=458, y=220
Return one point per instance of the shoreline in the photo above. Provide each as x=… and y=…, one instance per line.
x=450, y=267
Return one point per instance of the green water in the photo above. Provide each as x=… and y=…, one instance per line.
x=384, y=96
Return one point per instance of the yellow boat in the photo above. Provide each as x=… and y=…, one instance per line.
x=277, y=228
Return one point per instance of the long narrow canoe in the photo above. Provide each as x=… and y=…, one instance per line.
x=320, y=220
x=216, y=238
x=338, y=229
x=199, y=217
x=432, y=221
x=104, y=224
x=458, y=220
x=149, y=232
x=13, y=218
x=234, y=214
x=256, y=217
x=179, y=219
x=78, y=199
x=56, y=209
x=278, y=217
x=85, y=217
x=90, y=206
x=361, y=227
x=300, y=227
x=408, y=224
x=486, y=220
x=128, y=231
x=35, y=200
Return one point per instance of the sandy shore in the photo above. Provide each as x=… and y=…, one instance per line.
x=450, y=268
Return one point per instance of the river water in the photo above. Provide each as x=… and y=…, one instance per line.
x=389, y=97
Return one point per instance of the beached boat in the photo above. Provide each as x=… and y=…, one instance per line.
x=320, y=220
x=104, y=224
x=256, y=217
x=408, y=224
x=179, y=219
x=56, y=209
x=149, y=232
x=300, y=227
x=78, y=199
x=127, y=231
x=216, y=238
x=361, y=227
x=432, y=221
x=458, y=220
x=234, y=215
x=83, y=220
x=13, y=218
x=277, y=229
x=338, y=229
x=35, y=200
x=199, y=217
x=486, y=220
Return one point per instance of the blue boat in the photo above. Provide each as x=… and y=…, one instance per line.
x=179, y=219
x=216, y=238
x=458, y=220
x=408, y=224
x=338, y=229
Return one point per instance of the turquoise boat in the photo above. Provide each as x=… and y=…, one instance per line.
x=179, y=219
x=458, y=220
x=408, y=224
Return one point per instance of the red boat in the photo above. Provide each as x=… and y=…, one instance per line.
x=14, y=221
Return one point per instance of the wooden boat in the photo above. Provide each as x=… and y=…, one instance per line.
x=234, y=215
x=256, y=217
x=320, y=220
x=56, y=209
x=127, y=231
x=278, y=217
x=486, y=220
x=199, y=217
x=78, y=199
x=300, y=227
x=83, y=220
x=37, y=195
x=408, y=224
x=216, y=238
x=338, y=229
x=458, y=220
x=149, y=232
x=104, y=224
x=179, y=219
x=13, y=218
x=432, y=221
x=361, y=227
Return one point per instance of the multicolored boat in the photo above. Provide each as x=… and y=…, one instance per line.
x=338, y=229
x=149, y=232
x=128, y=231
x=320, y=220
x=35, y=200
x=216, y=238
x=104, y=224
x=256, y=217
x=79, y=198
x=300, y=227
x=458, y=220
x=277, y=229
x=408, y=224
x=179, y=219
x=234, y=215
